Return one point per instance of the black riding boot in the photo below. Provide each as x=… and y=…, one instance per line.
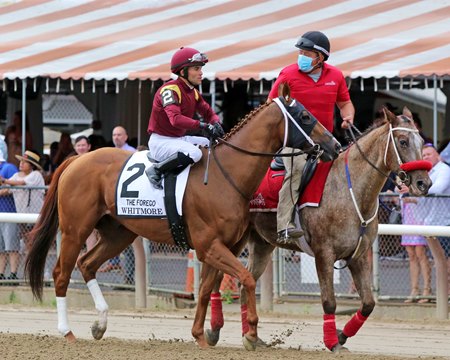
x=176, y=161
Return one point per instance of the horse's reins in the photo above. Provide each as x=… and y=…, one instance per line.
x=403, y=179
x=355, y=141
x=315, y=150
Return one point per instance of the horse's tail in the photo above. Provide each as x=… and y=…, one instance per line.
x=43, y=234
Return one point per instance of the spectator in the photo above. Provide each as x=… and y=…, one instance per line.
x=418, y=123
x=436, y=210
x=27, y=200
x=120, y=138
x=49, y=165
x=445, y=153
x=65, y=149
x=319, y=87
x=82, y=145
x=13, y=138
x=3, y=147
x=9, y=239
x=416, y=248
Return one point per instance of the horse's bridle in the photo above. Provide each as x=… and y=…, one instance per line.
x=402, y=175
x=315, y=151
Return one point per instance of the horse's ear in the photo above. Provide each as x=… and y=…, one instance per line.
x=388, y=115
x=285, y=91
x=407, y=112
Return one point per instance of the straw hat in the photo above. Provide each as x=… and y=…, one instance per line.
x=31, y=157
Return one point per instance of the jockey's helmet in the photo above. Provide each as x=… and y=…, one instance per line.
x=186, y=57
x=315, y=41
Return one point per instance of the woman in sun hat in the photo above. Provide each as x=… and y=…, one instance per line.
x=28, y=200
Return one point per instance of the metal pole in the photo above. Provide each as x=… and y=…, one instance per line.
x=435, y=114
x=139, y=112
x=441, y=277
x=276, y=273
x=24, y=114
x=197, y=269
x=140, y=274
x=267, y=287
x=212, y=90
x=376, y=268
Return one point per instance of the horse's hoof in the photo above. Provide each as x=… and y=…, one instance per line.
x=212, y=336
x=202, y=344
x=338, y=348
x=249, y=344
x=97, y=331
x=70, y=337
x=341, y=337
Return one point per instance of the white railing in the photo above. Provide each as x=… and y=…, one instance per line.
x=266, y=281
x=140, y=273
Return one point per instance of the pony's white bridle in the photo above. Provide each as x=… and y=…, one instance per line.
x=391, y=138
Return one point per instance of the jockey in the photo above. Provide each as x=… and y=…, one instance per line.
x=174, y=106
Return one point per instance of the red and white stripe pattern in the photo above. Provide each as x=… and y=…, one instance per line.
x=245, y=39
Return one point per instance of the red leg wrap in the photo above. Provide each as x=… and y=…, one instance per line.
x=330, y=338
x=354, y=324
x=216, y=311
x=245, y=326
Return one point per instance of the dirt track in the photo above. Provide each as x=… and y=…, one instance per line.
x=31, y=334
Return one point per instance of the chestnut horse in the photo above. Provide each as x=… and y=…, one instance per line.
x=82, y=197
x=342, y=227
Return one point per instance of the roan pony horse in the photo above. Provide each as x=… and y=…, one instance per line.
x=82, y=197
x=342, y=227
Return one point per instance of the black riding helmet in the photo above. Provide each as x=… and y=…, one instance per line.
x=315, y=41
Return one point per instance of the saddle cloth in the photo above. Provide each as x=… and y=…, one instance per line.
x=265, y=198
x=136, y=197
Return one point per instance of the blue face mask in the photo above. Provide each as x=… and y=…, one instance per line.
x=304, y=63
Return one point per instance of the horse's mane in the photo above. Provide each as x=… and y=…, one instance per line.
x=242, y=122
x=375, y=125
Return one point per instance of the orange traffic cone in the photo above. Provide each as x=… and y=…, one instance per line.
x=229, y=284
x=190, y=272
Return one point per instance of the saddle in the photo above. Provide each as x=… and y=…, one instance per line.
x=307, y=174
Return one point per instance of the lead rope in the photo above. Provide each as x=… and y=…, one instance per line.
x=364, y=223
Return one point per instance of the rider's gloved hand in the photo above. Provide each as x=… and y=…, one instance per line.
x=213, y=131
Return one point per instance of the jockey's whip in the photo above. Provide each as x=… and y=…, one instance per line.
x=205, y=178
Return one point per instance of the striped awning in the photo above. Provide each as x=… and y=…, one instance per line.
x=248, y=39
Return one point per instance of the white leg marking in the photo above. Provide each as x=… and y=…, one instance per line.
x=63, y=322
x=99, y=300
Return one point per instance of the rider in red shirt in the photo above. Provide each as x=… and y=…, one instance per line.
x=319, y=87
x=174, y=107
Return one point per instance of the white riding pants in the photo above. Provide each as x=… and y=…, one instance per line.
x=161, y=147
